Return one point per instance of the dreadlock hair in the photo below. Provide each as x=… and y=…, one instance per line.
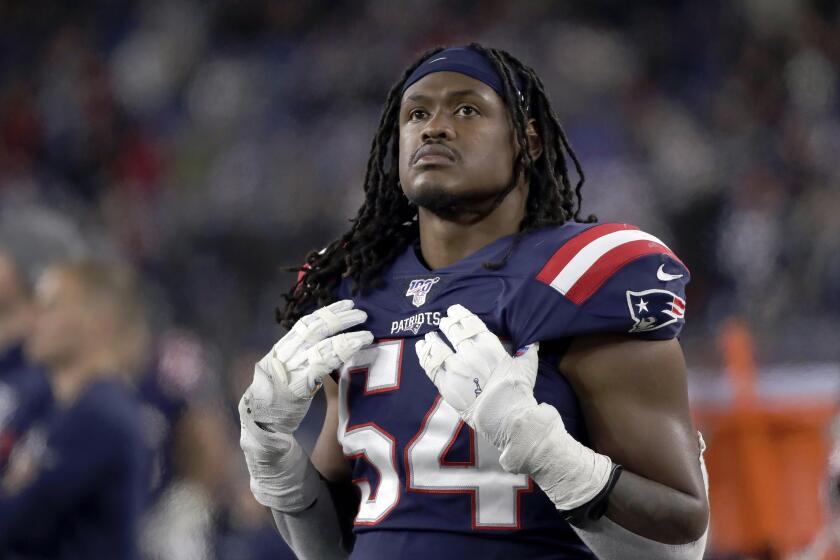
x=386, y=224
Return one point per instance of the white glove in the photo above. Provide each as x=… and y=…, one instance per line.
x=281, y=475
x=287, y=378
x=493, y=393
x=273, y=406
x=481, y=381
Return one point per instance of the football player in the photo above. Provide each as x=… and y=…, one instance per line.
x=509, y=381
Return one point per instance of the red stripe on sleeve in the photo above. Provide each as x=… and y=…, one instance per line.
x=571, y=248
x=610, y=263
x=302, y=272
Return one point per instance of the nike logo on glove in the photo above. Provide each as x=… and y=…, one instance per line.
x=664, y=276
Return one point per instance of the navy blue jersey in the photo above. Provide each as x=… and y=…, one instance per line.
x=86, y=497
x=25, y=398
x=429, y=485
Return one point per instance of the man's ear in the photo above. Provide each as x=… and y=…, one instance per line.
x=535, y=143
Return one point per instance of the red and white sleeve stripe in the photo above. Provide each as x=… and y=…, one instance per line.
x=590, y=258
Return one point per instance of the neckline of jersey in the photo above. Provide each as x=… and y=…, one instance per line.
x=466, y=262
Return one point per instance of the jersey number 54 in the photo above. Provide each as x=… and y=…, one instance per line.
x=494, y=492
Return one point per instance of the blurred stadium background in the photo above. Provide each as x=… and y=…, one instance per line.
x=211, y=143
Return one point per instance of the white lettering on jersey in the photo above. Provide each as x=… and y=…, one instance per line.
x=414, y=323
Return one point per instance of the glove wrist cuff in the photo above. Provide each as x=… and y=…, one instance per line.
x=288, y=484
x=570, y=473
x=525, y=432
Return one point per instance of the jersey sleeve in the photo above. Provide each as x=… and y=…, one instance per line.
x=612, y=278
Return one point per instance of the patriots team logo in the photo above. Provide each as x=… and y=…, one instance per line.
x=654, y=309
x=419, y=289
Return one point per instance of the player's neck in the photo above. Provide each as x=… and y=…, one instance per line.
x=71, y=379
x=444, y=242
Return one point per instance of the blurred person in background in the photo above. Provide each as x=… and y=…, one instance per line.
x=82, y=494
x=187, y=448
x=200, y=509
x=471, y=226
x=30, y=239
x=245, y=529
x=24, y=390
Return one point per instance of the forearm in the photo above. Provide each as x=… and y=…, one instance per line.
x=655, y=511
x=645, y=519
x=285, y=381
x=314, y=532
x=610, y=541
x=300, y=501
x=639, y=510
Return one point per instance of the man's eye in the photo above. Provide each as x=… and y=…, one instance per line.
x=467, y=111
x=416, y=114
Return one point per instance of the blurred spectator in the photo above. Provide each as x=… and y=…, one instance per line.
x=82, y=493
x=29, y=240
x=24, y=390
x=202, y=505
x=190, y=446
x=165, y=388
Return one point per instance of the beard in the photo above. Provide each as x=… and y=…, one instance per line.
x=461, y=207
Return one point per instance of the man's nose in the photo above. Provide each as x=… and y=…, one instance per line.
x=438, y=127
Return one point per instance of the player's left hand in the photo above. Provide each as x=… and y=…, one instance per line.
x=480, y=380
x=494, y=394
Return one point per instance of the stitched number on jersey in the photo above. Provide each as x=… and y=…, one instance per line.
x=494, y=492
x=380, y=364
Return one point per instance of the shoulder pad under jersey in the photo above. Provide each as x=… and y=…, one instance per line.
x=610, y=278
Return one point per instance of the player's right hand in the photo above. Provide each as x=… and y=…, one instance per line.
x=287, y=378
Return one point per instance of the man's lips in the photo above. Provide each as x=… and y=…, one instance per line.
x=432, y=154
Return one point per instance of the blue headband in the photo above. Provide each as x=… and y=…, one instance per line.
x=463, y=60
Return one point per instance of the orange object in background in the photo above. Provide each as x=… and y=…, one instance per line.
x=766, y=460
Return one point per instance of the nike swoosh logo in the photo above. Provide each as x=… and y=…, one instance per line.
x=664, y=276
x=435, y=60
